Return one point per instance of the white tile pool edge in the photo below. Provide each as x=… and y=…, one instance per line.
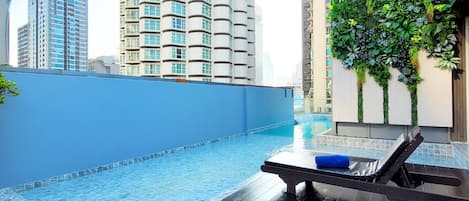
x=433, y=149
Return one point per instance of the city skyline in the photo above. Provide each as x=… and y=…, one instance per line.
x=282, y=33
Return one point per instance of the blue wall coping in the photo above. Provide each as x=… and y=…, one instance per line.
x=101, y=75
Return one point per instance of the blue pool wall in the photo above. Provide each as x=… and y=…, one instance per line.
x=65, y=122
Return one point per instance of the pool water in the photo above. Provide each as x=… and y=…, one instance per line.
x=200, y=173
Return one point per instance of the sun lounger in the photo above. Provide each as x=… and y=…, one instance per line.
x=363, y=174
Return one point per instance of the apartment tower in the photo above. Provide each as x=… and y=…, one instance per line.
x=259, y=46
x=203, y=40
x=317, y=83
x=23, y=46
x=58, y=34
x=4, y=31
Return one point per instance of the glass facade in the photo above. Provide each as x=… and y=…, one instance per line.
x=178, y=68
x=206, y=25
x=179, y=23
x=206, y=39
x=206, y=10
x=206, y=54
x=151, y=10
x=178, y=38
x=178, y=53
x=152, y=69
x=59, y=34
x=207, y=68
x=151, y=39
x=178, y=8
x=151, y=25
x=151, y=54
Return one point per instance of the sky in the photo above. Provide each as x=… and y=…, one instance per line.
x=281, y=20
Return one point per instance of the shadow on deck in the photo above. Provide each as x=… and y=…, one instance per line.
x=266, y=186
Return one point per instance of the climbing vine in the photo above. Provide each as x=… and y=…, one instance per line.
x=370, y=36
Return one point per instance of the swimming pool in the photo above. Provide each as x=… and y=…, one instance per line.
x=200, y=173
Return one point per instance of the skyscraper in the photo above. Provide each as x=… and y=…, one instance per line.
x=4, y=31
x=259, y=46
x=58, y=34
x=23, y=46
x=207, y=40
x=317, y=57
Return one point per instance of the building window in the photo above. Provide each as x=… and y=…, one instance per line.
x=152, y=69
x=132, y=56
x=152, y=25
x=131, y=15
x=207, y=54
x=206, y=10
x=207, y=68
x=178, y=68
x=132, y=2
x=132, y=29
x=152, y=54
x=179, y=23
x=132, y=43
x=178, y=8
x=328, y=62
x=152, y=10
x=206, y=25
x=178, y=38
x=206, y=79
x=151, y=39
x=133, y=70
x=178, y=53
x=206, y=39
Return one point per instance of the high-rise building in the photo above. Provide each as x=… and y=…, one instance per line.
x=259, y=46
x=4, y=31
x=23, y=46
x=317, y=56
x=206, y=40
x=58, y=31
x=306, y=42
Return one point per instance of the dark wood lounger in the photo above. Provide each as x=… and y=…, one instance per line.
x=375, y=176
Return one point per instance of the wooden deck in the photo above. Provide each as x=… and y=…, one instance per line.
x=266, y=186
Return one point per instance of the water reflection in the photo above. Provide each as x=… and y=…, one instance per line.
x=284, y=131
x=307, y=128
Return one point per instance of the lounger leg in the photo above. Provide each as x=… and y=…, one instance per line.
x=291, y=188
x=291, y=182
x=309, y=185
x=397, y=199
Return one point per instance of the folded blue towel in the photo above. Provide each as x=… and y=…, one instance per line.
x=332, y=161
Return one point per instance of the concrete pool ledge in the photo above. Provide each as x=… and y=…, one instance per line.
x=280, y=124
x=329, y=139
